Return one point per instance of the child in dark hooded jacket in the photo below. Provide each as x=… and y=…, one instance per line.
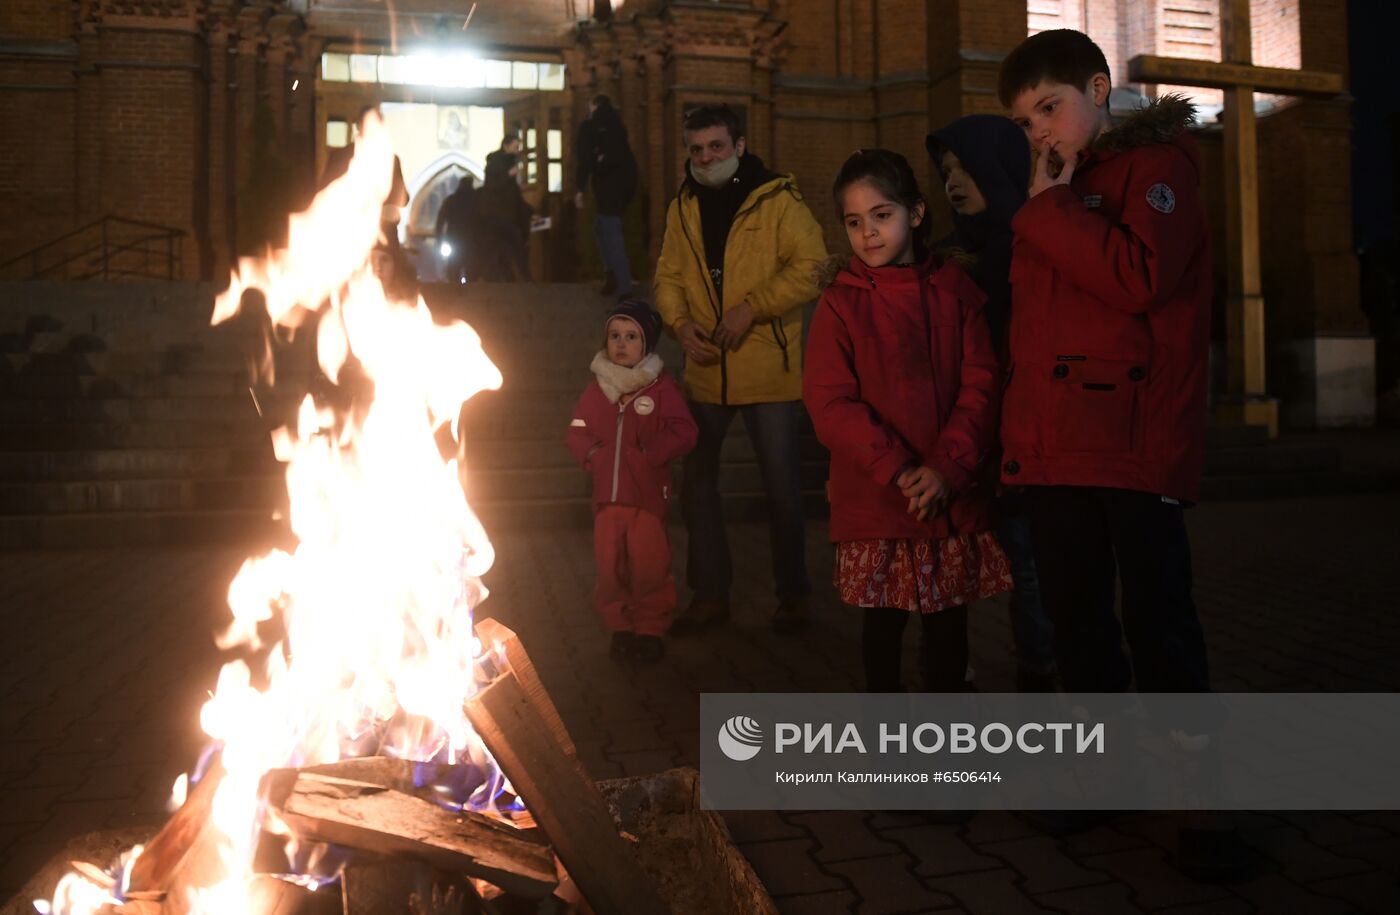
x=985, y=163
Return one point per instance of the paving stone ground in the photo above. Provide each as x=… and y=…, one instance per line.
x=108, y=654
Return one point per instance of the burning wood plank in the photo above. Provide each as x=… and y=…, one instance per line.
x=384, y=821
x=403, y=775
x=378, y=886
x=162, y=856
x=563, y=799
x=504, y=640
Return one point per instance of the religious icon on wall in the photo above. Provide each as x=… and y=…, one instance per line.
x=452, y=127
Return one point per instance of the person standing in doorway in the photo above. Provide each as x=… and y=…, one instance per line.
x=605, y=160
x=456, y=217
x=739, y=259
x=503, y=218
x=504, y=159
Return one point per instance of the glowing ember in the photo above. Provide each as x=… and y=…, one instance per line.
x=373, y=652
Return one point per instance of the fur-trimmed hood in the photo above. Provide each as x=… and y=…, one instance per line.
x=1163, y=121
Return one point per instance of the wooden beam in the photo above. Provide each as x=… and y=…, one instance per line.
x=564, y=802
x=161, y=857
x=1177, y=71
x=387, y=822
x=1236, y=32
x=404, y=775
x=504, y=640
x=383, y=885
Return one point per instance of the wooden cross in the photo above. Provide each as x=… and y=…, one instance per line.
x=1247, y=401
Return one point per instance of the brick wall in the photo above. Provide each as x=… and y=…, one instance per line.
x=37, y=109
x=36, y=19
x=1274, y=33
x=151, y=116
x=1309, y=143
x=36, y=151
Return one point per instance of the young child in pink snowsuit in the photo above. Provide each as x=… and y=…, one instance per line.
x=628, y=426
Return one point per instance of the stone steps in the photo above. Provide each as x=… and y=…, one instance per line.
x=230, y=408
x=143, y=495
x=137, y=464
x=110, y=385
x=252, y=527
x=105, y=436
x=175, y=360
x=126, y=419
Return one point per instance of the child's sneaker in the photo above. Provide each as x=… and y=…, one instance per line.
x=648, y=649
x=623, y=645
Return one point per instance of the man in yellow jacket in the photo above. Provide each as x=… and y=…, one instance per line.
x=738, y=262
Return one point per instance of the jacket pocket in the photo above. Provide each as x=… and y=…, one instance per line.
x=1095, y=403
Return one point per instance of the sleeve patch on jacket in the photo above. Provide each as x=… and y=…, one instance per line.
x=1161, y=198
x=578, y=422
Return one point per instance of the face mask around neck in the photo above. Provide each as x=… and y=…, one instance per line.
x=716, y=175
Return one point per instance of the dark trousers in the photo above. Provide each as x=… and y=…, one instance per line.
x=1086, y=540
x=1032, y=633
x=942, y=649
x=774, y=430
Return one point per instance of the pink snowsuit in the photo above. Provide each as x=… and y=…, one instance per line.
x=628, y=448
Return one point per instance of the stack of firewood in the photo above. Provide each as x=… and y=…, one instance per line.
x=407, y=850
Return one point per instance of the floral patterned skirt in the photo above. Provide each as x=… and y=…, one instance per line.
x=921, y=576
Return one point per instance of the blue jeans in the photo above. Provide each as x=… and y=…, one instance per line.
x=773, y=429
x=612, y=248
x=1031, y=629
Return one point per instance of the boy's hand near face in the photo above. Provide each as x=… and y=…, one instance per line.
x=1043, y=168
x=925, y=489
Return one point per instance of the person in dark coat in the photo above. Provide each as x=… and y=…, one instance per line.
x=503, y=160
x=985, y=163
x=503, y=220
x=605, y=160
x=455, y=224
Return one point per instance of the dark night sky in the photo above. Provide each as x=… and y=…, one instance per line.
x=1375, y=83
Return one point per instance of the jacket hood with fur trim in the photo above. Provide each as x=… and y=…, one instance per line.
x=1164, y=120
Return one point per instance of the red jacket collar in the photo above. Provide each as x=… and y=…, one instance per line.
x=859, y=274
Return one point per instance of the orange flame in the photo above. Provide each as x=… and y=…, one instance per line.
x=376, y=598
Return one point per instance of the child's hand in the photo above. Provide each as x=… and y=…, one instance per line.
x=1045, y=163
x=925, y=489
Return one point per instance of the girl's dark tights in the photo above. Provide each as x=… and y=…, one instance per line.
x=942, y=649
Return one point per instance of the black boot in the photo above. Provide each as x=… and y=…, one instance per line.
x=702, y=613
x=791, y=616
x=609, y=284
x=622, y=647
x=648, y=649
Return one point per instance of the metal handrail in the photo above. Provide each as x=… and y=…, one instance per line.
x=107, y=249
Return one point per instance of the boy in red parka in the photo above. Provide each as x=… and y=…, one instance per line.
x=1104, y=416
x=628, y=425
x=1103, y=419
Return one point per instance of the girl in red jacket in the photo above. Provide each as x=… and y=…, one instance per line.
x=902, y=385
x=628, y=425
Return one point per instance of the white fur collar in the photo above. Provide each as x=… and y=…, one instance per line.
x=617, y=380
